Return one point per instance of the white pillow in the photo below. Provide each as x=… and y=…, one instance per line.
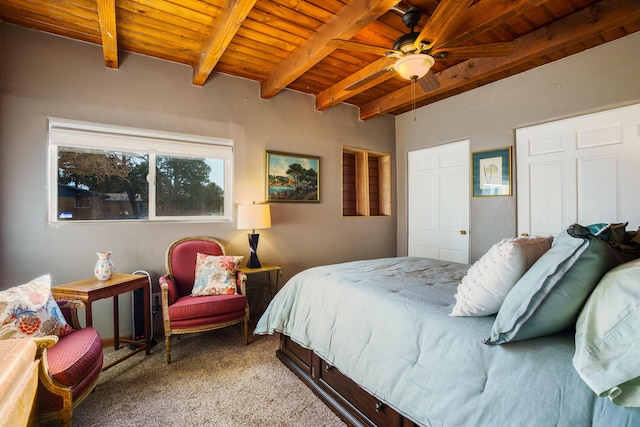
x=489, y=280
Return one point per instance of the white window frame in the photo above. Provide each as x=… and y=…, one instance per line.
x=77, y=134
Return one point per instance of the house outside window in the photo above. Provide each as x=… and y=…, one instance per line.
x=110, y=173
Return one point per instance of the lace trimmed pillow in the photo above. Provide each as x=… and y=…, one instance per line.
x=489, y=280
x=215, y=275
x=29, y=310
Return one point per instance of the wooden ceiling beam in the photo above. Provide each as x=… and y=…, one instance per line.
x=565, y=33
x=108, y=32
x=353, y=17
x=484, y=16
x=223, y=30
x=337, y=93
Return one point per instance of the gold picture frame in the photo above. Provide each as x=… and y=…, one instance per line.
x=292, y=177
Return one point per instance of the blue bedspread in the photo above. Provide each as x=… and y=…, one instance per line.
x=384, y=323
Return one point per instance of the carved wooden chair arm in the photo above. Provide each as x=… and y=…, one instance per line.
x=165, y=282
x=46, y=380
x=43, y=343
x=241, y=280
x=73, y=306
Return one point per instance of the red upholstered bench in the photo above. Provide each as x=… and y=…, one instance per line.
x=69, y=369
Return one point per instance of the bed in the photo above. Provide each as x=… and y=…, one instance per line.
x=375, y=339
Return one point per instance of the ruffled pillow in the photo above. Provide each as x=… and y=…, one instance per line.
x=489, y=280
x=29, y=310
x=215, y=275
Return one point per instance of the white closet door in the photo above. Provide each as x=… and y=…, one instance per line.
x=585, y=170
x=438, y=188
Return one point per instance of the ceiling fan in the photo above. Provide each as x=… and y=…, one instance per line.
x=417, y=52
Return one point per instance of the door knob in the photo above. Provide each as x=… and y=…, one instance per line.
x=463, y=232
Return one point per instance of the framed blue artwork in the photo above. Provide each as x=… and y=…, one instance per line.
x=491, y=171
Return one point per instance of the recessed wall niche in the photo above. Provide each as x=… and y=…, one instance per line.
x=366, y=183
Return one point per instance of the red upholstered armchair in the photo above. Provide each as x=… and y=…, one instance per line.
x=183, y=313
x=69, y=368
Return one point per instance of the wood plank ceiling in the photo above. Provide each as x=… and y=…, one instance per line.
x=287, y=43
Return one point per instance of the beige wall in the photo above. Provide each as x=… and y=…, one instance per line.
x=601, y=78
x=44, y=75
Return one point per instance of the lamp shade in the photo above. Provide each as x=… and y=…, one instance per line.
x=252, y=217
x=414, y=66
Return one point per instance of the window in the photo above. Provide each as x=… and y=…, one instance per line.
x=366, y=183
x=106, y=173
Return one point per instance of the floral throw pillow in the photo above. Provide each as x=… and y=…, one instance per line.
x=29, y=310
x=215, y=275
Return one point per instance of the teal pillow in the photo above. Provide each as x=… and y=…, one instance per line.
x=614, y=233
x=548, y=298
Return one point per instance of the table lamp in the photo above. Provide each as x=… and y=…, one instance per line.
x=254, y=217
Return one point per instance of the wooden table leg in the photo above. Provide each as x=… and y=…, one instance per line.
x=88, y=317
x=147, y=316
x=116, y=326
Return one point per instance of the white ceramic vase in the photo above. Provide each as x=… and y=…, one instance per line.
x=104, y=266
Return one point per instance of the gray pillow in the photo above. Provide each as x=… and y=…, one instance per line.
x=548, y=298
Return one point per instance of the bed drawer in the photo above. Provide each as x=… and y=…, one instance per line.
x=300, y=355
x=375, y=411
x=353, y=405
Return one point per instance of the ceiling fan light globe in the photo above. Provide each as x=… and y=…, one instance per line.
x=414, y=67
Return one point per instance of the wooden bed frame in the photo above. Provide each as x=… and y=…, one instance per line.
x=351, y=403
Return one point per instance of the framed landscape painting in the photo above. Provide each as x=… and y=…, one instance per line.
x=491, y=172
x=292, y=177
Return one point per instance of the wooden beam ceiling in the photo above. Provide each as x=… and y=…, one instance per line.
x=562, y=34
x=352, y=18
x=224, y=29
x=288, y=43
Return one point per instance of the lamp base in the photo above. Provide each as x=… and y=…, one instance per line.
x=254, y=262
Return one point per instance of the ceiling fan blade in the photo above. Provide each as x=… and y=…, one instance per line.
x=429, y=82
x=477, y=51
x=360, y=47
x=368, y=79
x=446, y=13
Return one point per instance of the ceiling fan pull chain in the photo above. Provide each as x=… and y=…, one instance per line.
x=413, y=96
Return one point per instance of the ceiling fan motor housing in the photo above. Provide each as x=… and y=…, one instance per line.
x=405, y=43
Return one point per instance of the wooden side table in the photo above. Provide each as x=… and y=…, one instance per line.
x=266, y=268
x=257, y=302
x=89, y=290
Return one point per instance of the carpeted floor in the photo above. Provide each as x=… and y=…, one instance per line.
x=213, y=380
